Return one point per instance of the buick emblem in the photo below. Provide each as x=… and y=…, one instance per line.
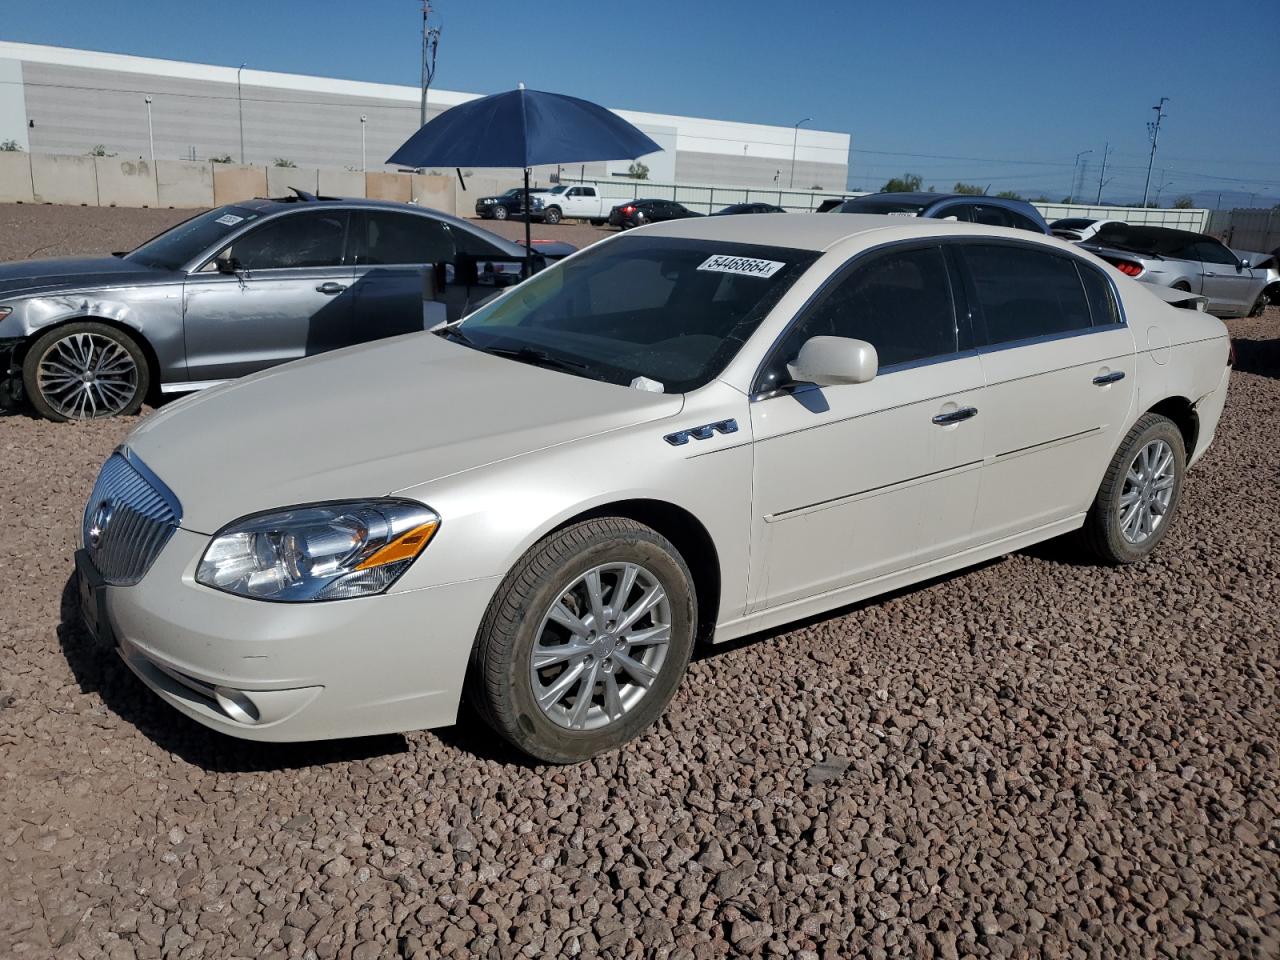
x=98, y=523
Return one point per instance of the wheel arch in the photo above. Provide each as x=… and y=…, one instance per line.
x=1183, y=414
x=686, y=533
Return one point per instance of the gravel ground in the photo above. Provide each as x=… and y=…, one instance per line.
x=1034, y=757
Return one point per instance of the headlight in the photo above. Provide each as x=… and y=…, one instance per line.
x=330, y=551
x=5, y=311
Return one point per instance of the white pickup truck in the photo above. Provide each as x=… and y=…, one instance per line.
x=569, y=201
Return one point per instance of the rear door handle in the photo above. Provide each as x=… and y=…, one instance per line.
x=1103, y=379
x=330, y=288
x=955, y=416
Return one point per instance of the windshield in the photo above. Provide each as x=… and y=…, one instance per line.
x=672, y=311
x=559, y=189
x=882, y=206
x=181, y=244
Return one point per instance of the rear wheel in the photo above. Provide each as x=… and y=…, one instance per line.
x=551, y=215
x=500, y=213
x=586, y=640
x=1139, y=494
x=84, y=371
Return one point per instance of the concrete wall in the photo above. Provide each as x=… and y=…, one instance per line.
x=388, y=186
x=71, y=180
x=184, y=183
x=232, y=183
x=125, y=183
x=436, y=192
x=282, y=180
x=341, y=183
x=15, y=178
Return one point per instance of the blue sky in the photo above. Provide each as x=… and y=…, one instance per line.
x=997, y=93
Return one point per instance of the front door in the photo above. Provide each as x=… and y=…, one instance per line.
x=1231, y=288
x=859, y=481
x=290, y=291
x=1060, y=372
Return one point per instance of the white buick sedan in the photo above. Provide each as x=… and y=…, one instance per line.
x=692, y=431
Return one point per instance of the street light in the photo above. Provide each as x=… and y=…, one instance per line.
x=1071, y=194
x=151, y=136
x=363, y=163
x=240, y=111
x=795, y=138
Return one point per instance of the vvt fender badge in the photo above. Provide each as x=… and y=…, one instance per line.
x=704, y=432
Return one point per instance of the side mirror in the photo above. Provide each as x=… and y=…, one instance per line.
x=227, y=265
x=830, y=361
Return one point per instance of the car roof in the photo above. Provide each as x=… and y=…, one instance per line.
x=818, y=231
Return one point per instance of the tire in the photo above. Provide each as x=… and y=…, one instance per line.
x=551, y=215
x=502, y=684
x=1108, y=532
x=597, y=223
x=55, y=361
x=500, y=213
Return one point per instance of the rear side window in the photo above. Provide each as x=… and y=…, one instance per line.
x=899, y=302
x=1025, y=293
x=1102, y=302
x=402, y=238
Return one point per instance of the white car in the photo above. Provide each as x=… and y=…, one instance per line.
x=1079, y=228
x=691, y=431
x=568, y=201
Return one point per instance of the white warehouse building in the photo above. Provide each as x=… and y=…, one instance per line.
x=56, y=100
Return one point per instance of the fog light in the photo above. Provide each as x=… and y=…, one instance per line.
x=236, y=705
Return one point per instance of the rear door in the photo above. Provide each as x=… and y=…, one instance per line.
x=1059, y=368
x=292, y=285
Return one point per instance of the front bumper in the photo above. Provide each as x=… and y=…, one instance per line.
x=304, y=671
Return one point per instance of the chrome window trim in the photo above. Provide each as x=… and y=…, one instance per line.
x=1048, y=338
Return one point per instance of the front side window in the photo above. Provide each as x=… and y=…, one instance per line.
x=1209, y=252
x=900, y=302
x=671, y=310
x=401, y=238
x=1022, y=292
x=295, y=240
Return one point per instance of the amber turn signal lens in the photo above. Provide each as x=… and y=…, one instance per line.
x=404, y=547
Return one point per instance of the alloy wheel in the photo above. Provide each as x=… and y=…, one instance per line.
x=87, y=375
x=1147, y=492
x=600, y=646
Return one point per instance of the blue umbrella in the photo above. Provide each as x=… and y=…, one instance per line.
x=523, y=128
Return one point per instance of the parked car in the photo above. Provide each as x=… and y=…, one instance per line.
x=504, y=205
x=636, y=213
x=229, y=292
x=738, y=208
x=566, y=201
x=1078, y=228
x=696, y=431
x=992, y=211
x=1193, y=262
x=1267, y=264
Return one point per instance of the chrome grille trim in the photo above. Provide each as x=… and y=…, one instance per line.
x=133, y=515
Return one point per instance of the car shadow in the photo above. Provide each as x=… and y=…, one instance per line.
x=1261, y=357
x=100, y=671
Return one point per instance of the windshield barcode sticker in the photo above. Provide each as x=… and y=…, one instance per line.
x=229, y=219
x=746, y=266
x=901, y=213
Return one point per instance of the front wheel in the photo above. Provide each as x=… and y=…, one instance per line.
x=551, y=215
x=1139, y=494
x=585, y=641
x=500, y=213
x=84, y=371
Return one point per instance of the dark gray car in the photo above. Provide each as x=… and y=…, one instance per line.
x=993, y=211
x=232, y=291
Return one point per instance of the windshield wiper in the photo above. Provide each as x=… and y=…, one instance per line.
x=452, y=330
x=538, y=358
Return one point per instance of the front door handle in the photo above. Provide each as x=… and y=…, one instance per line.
x=331, y=288
x=1103, y=379
x=955, y=416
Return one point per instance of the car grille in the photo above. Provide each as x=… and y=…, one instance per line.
x=129, y=518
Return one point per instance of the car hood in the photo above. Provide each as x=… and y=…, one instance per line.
x=370, y=420
x=61, y=274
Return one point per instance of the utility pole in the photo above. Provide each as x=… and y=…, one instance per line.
x=1102, y=173
x=1071, y=194
x=240, y=111
x=430, y=44
x=151, y=135
x=364, y=163
x=795, y=138
x=1153, y=130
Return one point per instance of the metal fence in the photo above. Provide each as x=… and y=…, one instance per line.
x=1252, y=229
x=710, y=197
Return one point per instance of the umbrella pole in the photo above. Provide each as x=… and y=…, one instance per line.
x=528, y=218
